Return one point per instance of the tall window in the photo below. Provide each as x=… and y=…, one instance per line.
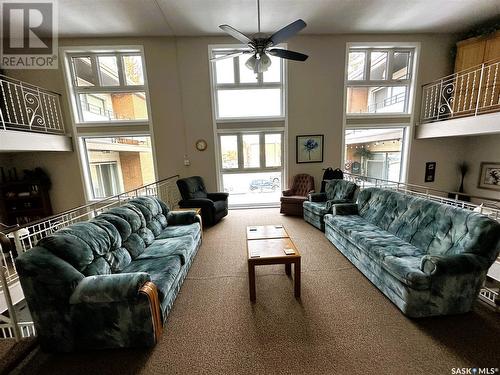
x=241, y=94
x=118, y=164
x=251, y=167
x=379, y=80
x=108, y=87
x=375, y=153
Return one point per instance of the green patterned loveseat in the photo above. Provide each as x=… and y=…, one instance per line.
x=427, y=258
x=90, y=285
x=319, y=204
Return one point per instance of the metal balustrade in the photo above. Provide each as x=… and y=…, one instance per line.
x=471, y=92
x=28, y=107
x=27, y=236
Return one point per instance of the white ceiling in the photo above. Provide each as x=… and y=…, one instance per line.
x=83, y=18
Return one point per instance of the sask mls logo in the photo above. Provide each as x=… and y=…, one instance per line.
x=29, y=35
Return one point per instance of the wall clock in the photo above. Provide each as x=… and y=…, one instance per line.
x=201, y=145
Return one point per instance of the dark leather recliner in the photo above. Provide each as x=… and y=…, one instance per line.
x=194, y=194
x=293, y=198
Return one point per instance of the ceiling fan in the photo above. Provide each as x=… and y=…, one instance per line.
x=260, y=45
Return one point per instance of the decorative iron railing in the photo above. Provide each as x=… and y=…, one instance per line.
x=28, y=107
x=471, y=92
x=26, y=237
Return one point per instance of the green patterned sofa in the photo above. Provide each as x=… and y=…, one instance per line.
x=427, y=258
x=89, y=285
x=319, y=204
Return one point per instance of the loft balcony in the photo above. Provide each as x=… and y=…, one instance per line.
x=30, y=118
x=464, y=103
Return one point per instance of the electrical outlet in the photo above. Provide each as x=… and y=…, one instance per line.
x=187, y=162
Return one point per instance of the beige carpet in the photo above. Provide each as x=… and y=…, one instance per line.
x=341, y=325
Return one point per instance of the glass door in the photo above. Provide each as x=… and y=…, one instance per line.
x=251, y=165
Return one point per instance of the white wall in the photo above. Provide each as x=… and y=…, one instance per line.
x=178, y=74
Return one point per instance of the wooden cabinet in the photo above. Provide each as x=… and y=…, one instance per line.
x=475, y=51
x=24, y=201
x=471, y=90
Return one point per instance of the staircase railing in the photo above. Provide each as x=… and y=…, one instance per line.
x=470, y=92
x=27, y=107
x=25, y=237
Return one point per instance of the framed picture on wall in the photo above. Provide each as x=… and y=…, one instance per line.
x=309, y=148
x=489, y=176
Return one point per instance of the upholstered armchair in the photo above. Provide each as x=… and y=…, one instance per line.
x=194, y=194
x=293, y=198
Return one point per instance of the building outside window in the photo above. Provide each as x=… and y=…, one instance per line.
x=379, y=80
x=375, y=153
x=118, y=164
x=108, y=87
x=379, y=86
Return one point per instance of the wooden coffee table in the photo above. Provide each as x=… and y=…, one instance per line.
x=259, y=232
x=271, y=251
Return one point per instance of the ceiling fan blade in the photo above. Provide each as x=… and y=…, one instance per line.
x=235, y=54
x=287, y=32
x=236, y=34
x=286, y=54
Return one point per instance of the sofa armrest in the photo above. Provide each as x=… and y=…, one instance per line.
x=218, y=196
x=345, y=209
x=198, y=202
x=116, y=311
x=182, y=217
x=109, y=288
x=438, y=265
x=288, y=192
x=317, y=197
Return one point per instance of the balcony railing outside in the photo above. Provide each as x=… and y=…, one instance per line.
x=29, y=108
x=471, y=92
x=27, y=236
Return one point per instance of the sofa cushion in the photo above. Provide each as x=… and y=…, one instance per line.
x=132, y=215
x=121, y=225
x=318, y=208
x=147, y=236
x=69, y=248
x=163, y=271
x=340, y=190
x=180, y=246
x=434, y=228
x=135, y=245
x=171, y=231
x=407, y=270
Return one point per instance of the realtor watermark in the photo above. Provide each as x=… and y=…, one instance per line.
x=29, y=34
x=474, y=370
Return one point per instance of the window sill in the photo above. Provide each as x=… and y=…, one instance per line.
x=111, y=123
x=249, y=119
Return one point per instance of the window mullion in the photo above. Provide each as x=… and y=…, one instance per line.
x=121, y=71
x=390, y=64
x=240, y=151
x=262, y=150
x=368, y=65
x=236, y=66
x=95, y=69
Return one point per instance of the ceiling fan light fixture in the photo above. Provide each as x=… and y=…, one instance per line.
x=258, y=65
